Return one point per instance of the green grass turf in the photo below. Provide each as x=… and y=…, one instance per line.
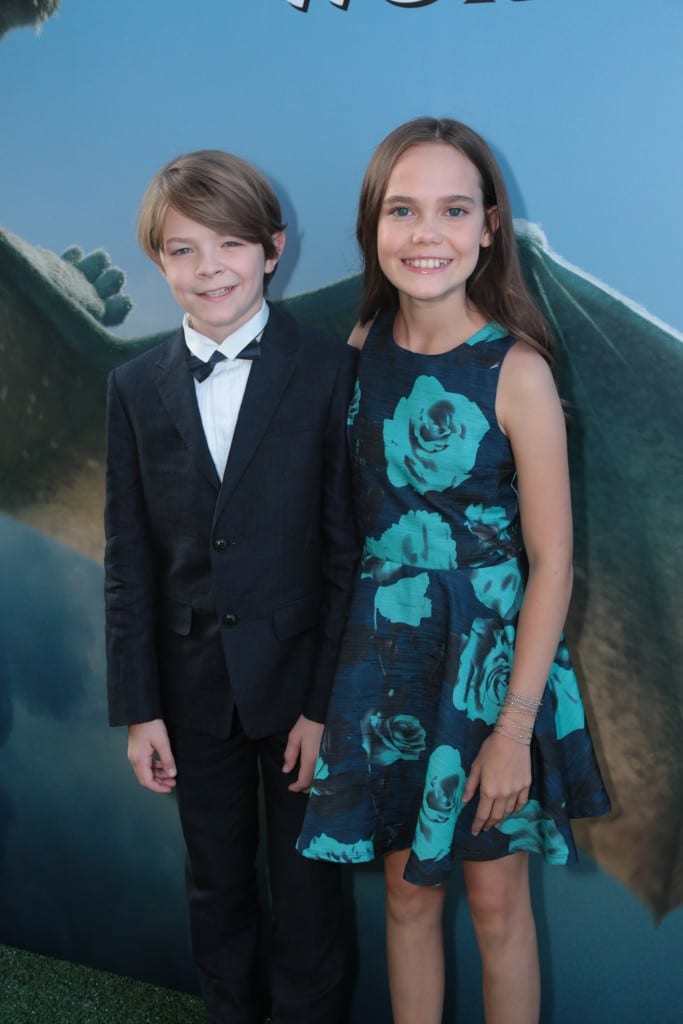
x=39, y=990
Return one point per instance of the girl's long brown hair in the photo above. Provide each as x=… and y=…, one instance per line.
x=496, y=287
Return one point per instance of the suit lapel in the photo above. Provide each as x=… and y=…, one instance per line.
x=176, y=389
x=267, y=381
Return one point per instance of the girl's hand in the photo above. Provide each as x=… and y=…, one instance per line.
x=501, y=772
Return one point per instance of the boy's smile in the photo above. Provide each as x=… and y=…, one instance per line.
x=216, y=278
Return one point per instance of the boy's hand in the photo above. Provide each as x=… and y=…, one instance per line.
x=303, y=746
x=149, y=752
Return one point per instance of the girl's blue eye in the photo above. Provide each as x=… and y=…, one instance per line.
x=455, y=211
x=400, y=211
x=180, y=252
x=231, y=244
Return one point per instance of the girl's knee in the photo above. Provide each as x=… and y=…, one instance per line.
x=499, y=898
x=411, y=904
x=490, y=913
x=408, y=903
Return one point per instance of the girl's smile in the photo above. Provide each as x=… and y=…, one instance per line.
x=425, y=265
x=432, y=224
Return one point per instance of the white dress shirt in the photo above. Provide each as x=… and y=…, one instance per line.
x=219, y=397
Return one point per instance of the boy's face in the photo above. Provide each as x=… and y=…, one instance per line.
x=217, y=279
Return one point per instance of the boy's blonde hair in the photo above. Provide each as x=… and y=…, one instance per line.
x=218, y=190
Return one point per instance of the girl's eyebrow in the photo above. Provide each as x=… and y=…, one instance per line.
x=176, y=241
x=446, y=199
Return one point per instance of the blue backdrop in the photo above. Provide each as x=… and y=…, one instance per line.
x=576, y=99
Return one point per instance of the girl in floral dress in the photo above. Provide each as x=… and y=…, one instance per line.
x=455, y=730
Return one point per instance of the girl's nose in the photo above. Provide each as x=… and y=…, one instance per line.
x=426, y=230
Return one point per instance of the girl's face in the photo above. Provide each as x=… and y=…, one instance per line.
x=432, y=224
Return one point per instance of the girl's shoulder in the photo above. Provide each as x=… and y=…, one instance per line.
x=524, y=366
x=526, y=387
x=380, y=324
x=359, y=334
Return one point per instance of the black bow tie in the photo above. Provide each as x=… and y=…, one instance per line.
x=251, y=351
x=200, y=370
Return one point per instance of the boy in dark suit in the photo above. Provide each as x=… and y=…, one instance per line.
x=229, y=559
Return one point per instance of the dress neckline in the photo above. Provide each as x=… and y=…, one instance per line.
x=489, y=332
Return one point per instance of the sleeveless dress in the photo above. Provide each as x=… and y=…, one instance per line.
x=429, y=644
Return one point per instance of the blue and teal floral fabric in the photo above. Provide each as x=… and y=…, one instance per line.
x=429, y=645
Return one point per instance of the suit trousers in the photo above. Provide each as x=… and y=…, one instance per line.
x=217, y=791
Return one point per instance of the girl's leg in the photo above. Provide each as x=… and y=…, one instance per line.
x=414, y=945
x=500, y=904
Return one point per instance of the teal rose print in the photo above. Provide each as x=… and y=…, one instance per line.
x=326, y=848
x=489, y=525
x=404, y=601
x=354, y=404
x=422, y=539
x=484, y=670
x=564, y=689
x=321, y=773
x=395, y=738
x=499, y=587
x=528, y=827
x=432, y=441
x=444, y=784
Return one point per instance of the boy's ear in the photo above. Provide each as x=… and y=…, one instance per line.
x=279, y=239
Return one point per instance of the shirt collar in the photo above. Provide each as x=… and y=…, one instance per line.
x=203, y=347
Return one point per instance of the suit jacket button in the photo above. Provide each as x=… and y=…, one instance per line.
x=230, y=619
x=220, y=543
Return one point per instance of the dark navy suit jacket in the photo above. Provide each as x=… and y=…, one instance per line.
x=233, y=593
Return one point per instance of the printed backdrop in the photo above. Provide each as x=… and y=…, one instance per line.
x=581, y=103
